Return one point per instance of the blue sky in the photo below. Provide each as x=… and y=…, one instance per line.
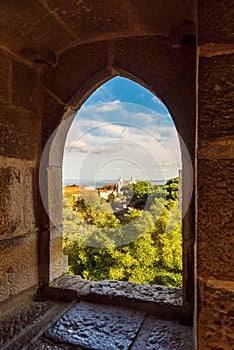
x=125, y=90
x=122, y=130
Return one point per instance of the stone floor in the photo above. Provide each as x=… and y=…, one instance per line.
x=104, y=327
x=106, y=315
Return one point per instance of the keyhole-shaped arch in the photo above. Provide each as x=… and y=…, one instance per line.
x=54, y=165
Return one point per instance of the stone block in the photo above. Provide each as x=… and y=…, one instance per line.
x=20, y=318
x=215, y=244
x=52, y=114
x=5, y=67
x=58, y=38
x=10, y=199
x=58, y=261
x=216, y=97
x=17, y=23
x=23, y=84
x=4, y=287
x=215, y=318
x=160, y=19
x=162, y=334
x=138, y=292
x=25, y=23
x=18, y=264
x=219, y=148
x=96, y=19
x=29, y=199
x=34, y=211
x=55, y=196
x=39, y=55
x=75, y=67
x=94, y=326
x=165, y=65
x=215, y=21
x=18, y=133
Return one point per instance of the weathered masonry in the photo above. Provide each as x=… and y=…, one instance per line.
x=53, y=55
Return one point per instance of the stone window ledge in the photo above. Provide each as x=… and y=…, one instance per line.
x=93, y=326
x=162, y=301
x=55, y=325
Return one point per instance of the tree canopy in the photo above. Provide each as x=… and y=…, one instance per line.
x=144, y=247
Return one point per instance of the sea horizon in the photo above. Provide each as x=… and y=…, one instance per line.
x=102, y=182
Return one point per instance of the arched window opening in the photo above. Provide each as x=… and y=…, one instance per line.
x=122, y=188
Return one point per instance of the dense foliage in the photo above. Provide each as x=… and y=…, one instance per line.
x=145, y=246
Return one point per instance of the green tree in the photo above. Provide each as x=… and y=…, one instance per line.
x=111, y=197
x=151, y=234
x=172, y=188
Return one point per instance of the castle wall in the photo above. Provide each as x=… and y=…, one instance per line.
x=215, y=245
x=52, y=57
x=19, y=136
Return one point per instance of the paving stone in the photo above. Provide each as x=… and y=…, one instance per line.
x=44, y=345
x=168, y=335
x=23, y=316
x=163, y=335
x=94, y=326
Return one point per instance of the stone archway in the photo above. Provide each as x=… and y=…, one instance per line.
x=159, y=75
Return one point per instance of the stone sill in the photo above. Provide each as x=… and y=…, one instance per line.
x=82, y=307
x=93, y=326
x=161, y=301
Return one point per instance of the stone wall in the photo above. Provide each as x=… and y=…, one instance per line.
x=53, y=55
x=215, y=244
x=165, y=66
x=19, y=134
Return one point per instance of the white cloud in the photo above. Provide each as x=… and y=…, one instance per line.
x=148, y=141
x=147, y=118
x=109, y=106
x=113, y=130
x=105, y=149
x=79, y=146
